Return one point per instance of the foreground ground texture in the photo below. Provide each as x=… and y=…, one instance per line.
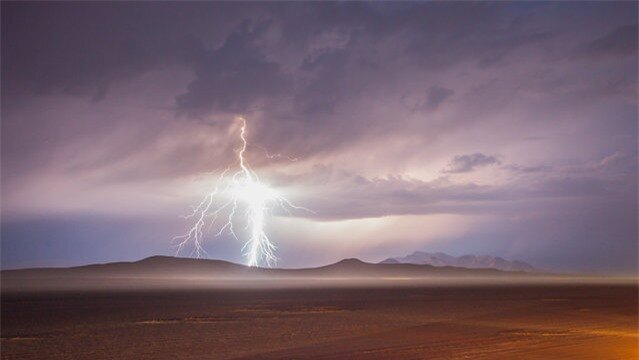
x=474, y=322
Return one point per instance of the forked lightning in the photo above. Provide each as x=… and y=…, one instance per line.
x=242, y=190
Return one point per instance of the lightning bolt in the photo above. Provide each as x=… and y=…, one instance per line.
x=243, y=189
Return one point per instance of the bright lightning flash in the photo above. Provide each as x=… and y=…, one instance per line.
x=242, y=189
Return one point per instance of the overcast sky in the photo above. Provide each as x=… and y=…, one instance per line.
x=506, y=129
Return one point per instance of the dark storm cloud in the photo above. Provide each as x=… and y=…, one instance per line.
x=621, y=41
x=234, y=76
x=469, y=162
x=435, y=96
x=82, y=48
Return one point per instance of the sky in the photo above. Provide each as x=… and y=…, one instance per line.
x=506, y=129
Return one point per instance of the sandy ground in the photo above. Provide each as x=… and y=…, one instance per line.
x=479, y=322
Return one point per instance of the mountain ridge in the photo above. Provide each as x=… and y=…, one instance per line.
x=465, y=261
x=164, y=265
x=167, y=272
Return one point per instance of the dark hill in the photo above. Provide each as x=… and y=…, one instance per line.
x=158, y=270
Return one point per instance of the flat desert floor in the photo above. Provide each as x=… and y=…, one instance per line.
x=475, y=322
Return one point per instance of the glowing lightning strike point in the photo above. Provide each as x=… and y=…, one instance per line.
x=243, y=187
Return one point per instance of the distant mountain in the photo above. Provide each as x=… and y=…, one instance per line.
x=466, y=261
x=175, y=267
x=159, y=271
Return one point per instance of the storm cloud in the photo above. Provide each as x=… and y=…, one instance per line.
x=467, y=163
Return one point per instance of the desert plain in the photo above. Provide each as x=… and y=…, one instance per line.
x=481, y=321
